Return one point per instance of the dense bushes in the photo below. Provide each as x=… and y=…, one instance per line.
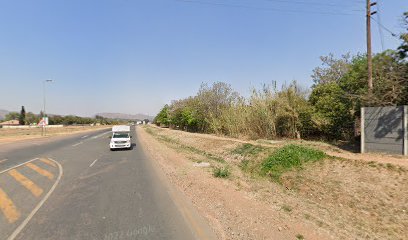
x=331, y=110
x=268, y=113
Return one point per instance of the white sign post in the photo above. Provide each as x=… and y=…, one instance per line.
x=43, y=122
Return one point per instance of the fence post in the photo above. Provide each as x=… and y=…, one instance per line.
x=405, y=129
x=362, y=131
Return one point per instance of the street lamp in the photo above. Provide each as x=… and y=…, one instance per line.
x=44, y=114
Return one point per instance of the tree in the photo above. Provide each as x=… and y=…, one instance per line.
x=332, y=69
x=21, y=118
x=403, y=49
x=162, y=117
x=211, y=102
x=31, y=118
x=12, y=116
x=332, y=115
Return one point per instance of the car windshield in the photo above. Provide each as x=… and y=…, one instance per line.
x=120, y=135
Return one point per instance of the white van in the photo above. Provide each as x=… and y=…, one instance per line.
x=120, y=137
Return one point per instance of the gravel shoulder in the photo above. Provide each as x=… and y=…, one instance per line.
x=232, y=211
x=337, y=198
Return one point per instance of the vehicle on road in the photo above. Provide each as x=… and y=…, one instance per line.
x=120, y=137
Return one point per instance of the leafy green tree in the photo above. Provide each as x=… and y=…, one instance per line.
x=12, y=116
x=21, y=118
x=162, y=117
x=31, y=118
x=332, y=115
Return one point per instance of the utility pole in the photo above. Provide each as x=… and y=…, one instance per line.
x=44, y=131
x=369, y=51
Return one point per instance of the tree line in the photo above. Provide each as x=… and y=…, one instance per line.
x=330, y=109
x=29, y=118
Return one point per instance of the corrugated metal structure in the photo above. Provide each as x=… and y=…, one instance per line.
x=384, y=129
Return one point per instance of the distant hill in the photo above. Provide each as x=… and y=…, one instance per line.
x=3, y=113
x=138, y=116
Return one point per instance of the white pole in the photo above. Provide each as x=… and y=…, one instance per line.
x=362, y=130
x=405, y=126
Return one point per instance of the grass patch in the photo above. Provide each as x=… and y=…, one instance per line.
x=287, y=158
x=299, y=237
x=287, y=208
x=390, y=166
x=247, y=149
x=221, y=172
x=244, y=165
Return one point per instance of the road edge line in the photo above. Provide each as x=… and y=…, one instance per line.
x=39, y=205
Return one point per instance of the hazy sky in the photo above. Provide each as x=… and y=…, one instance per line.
x=133, y=56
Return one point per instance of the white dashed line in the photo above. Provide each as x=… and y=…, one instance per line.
x=76, y=144
x=84, y=136
x=100, y=135
x=3, y=160
x=93, y=162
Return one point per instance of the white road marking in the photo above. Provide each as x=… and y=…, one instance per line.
x=93, y=162
x=24, y=223
x=100, y=135
x=84, y=136
x=18, y=165
x=3, y=160
x=76, y=144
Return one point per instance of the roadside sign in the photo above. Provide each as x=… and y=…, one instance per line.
x=43, y=122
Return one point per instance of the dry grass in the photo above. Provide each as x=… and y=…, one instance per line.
x=15, y=134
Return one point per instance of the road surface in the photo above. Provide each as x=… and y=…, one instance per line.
x=76, y=188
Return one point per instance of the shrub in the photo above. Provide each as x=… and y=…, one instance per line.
x=221, y=172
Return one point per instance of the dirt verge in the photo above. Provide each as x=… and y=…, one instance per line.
x=331, y=199
x=9, y=135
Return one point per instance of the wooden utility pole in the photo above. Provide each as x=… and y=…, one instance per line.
x=369, y=51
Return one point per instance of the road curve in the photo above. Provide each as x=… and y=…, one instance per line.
x=101, y=195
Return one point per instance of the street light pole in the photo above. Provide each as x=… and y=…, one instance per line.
x=44, y=114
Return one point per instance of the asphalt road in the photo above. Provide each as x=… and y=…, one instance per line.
x=76, y=188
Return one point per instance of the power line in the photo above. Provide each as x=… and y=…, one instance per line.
x=314, y=3
x=264, y=8
x=385, y=28
x=380, y=30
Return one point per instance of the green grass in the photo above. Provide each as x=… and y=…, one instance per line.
x=287, y=158
x=247, y=149
x=221, y=172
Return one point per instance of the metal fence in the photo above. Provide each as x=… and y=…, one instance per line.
x=384, y=129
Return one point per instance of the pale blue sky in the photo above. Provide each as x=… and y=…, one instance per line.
x=133, y=56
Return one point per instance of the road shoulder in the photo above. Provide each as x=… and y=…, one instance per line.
x=198, y=225
x=232, y=213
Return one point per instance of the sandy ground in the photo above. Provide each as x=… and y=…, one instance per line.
x=232, y=212
x=10, y=135
x=352, y=197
